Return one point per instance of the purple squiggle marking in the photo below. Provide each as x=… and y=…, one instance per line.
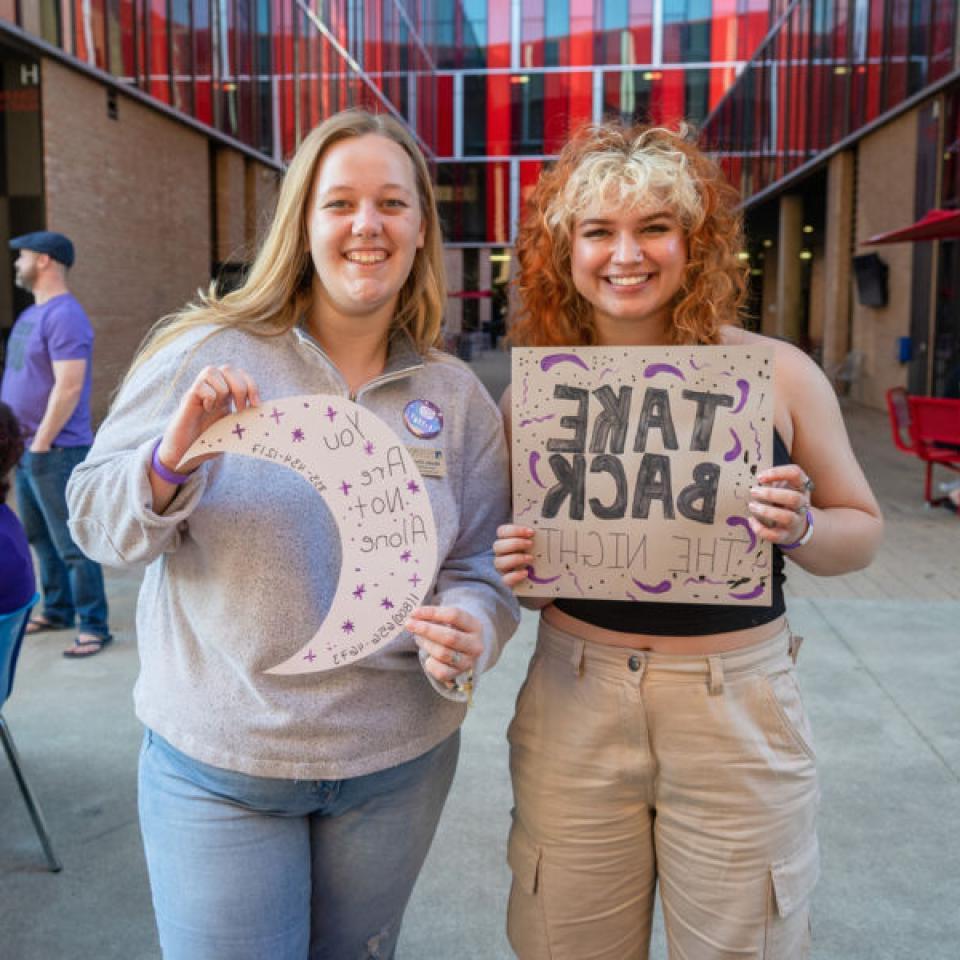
x=756, y=437
x=549, y=416
x=526, y=386
x=662, y=587
x=533, y=578
x=554, y=358
x=527, y=508
x=532, y=463
x=755, y=592
x=734, y=451
x=703, y=366
x=744, y=387
x=742, y=522
x=656, y=368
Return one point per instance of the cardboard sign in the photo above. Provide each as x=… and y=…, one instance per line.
x=634, y=466
x=378, y=499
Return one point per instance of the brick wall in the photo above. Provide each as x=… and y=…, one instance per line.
x=886, y=173
x=133, y=195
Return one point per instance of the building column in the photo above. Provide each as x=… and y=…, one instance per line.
x=789, y=269
x=838, y=241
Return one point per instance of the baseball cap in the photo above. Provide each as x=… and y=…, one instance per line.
x=55, y=245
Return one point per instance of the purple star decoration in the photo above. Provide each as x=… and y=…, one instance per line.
x=347, y=626
x=297, y=435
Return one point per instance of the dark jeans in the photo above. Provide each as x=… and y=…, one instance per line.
x=72, y=583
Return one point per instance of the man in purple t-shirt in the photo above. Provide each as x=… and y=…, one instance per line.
x=46, y=382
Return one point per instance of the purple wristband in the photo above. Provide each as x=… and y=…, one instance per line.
x=165, y=473
x=805, y=539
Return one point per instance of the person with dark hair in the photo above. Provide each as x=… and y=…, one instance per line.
x=287, y=816
x=665, y=745
x=47, y=381
x=17, y=584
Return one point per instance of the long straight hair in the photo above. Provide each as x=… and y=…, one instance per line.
x=277, y=291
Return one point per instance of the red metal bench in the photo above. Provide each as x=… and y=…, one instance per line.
x=927, y=427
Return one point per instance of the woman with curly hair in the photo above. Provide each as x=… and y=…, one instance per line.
x=17, y=583
x=665, y=744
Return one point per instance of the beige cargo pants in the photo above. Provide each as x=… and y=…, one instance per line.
x=633, y=770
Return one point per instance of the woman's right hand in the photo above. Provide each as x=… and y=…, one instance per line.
x=513, y=553
x=215, y=393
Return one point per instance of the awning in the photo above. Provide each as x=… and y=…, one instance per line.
x=935, y=225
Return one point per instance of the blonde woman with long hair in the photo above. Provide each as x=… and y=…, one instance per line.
x=288, y=817
x=664, y=745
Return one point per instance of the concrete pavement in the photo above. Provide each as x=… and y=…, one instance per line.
x=881, y=674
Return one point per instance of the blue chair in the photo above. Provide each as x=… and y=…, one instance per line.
x=12, y=626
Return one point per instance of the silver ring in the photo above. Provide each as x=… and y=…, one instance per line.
x=808, y=485
x=456, y=658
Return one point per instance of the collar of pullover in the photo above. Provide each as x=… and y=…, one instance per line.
x=402, y=358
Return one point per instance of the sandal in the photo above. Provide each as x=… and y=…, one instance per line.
x=40, y=624
x=90, y=647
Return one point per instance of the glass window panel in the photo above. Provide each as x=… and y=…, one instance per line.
x=945, y=17
x=532, y=29
x=556, y=111
x=475, y=114
x=526, y=113
x=473, y=31
x=697, y=94
x=461, y=201
x=202, y=62
x=158, y=56
x=89, y=32
x=262, y=69
x=181, y=47
x=121, y=39
x=920, y=36
x=898, y=27
x=626, y=96
x=686, y=31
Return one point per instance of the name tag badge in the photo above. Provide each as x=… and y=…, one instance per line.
x=429, y=462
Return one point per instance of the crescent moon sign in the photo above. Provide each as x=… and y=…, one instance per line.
x=378, y=499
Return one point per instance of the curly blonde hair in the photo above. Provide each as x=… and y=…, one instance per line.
x=629, y=167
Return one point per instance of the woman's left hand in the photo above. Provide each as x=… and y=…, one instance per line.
x=779, y=504
x=451, y=638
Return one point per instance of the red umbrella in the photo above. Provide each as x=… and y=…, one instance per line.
x=935, y=225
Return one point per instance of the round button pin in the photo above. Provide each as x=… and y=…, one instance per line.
x=423, y=418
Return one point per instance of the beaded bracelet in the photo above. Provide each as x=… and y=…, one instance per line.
x=165, y=473
x=805, y=539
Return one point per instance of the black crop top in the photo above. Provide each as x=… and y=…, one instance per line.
x=685, y=619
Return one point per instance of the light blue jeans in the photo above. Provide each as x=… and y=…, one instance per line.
x=72, y=583
x=252, y=868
